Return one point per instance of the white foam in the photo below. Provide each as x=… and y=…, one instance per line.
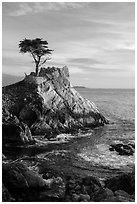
x=101, y=155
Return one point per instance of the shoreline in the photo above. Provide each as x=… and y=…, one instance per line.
x=49, y=171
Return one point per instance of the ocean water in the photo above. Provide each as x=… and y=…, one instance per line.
x=89, y=152
x=118, y=105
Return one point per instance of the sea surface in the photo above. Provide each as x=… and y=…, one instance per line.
x=118, y=105
x=88, y=152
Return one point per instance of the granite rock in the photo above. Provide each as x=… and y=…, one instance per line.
x=123, y=149
x=17, y=176
x=14, y=131
x=46, y=104
x=124, y=182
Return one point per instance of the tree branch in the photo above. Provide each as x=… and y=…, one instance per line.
x=33, y=56
x=44, y=61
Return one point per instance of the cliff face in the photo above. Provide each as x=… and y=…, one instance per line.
x=47, y=104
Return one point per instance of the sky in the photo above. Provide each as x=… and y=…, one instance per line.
x=94, y=39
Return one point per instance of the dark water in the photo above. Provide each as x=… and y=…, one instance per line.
x=89, y=153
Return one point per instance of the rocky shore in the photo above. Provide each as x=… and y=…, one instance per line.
x=28, y=179
x=39, y=113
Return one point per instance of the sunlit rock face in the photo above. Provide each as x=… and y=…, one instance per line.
x=49, y=104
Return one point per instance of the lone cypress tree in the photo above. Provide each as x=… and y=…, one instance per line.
x=38, y=49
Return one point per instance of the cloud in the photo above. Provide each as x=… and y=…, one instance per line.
x=23, y=9
x=100, y=68
x=113, y=59
x=76, y=70
x=121, y=57
x=37, y=7
x=89, y=61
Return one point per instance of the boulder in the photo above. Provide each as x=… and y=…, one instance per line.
x=100, y=195
x=123, y=149
x=84, y=197
x=75, y=197
x=121, y=193
x=109, y=192
x=125, y=182
x=14, y=131
x=26, y=185
x=123, y=196
x=17, y=176
x=56, y=189
x=85, y=189
x=88, y=180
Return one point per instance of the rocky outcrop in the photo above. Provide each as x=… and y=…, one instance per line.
x=27, y=185
x=124, y=182
x=14, y=131
x=17, y=176
x=24, y=184
x=123, y=149
x=46, y=105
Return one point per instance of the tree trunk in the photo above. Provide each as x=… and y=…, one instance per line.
x=37, y=69
x=37, y=65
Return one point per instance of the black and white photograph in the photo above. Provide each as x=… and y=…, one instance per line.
x=68, y=101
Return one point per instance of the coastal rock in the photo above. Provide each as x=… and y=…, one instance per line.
x=91, y=180
x=56, y=189
x=105, y=195
x=47, y=103
x=24, y=183
x=75, y=197
x=123, y=149
x=125, y=182
x=6, y=197
x=14, y=131
x=100, y=194
x=121, y=193
x=84, y=197
x=83, y=189
x=109, y=192
x=123, y=196
x=17, y=176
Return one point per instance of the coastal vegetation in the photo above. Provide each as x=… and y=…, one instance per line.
x=38, y=49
